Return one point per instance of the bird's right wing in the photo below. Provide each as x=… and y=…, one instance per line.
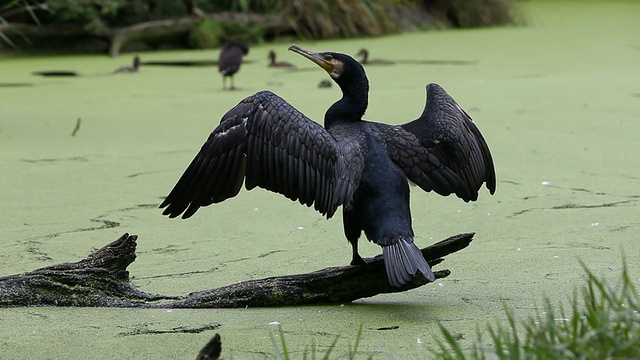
x=274, y=146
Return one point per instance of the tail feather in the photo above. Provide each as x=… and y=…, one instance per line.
x=403, y=260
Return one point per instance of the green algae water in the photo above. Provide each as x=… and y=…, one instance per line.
x=558, y=102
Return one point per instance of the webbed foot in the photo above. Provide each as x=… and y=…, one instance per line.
x=358, y=260
x=363, y=261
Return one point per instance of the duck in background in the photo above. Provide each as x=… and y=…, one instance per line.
x=279, y=64
x=364, y=59
x=130, y=69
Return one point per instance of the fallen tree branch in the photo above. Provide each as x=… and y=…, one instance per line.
x=102, y=280
x=123, y=35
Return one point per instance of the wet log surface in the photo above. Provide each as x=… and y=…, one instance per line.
x=102, y=280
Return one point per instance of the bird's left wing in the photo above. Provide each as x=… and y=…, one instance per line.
x=272, y=145
x=442, y=150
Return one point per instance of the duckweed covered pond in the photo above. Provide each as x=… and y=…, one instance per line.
x=558, y=102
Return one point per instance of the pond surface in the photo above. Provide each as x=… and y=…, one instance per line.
x=558, y=102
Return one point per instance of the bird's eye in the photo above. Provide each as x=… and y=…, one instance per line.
x=328, y=57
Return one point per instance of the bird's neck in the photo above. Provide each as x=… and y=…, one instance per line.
x=351, y=107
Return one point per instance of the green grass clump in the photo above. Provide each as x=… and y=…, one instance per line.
x=311, y=352
x=604, y=323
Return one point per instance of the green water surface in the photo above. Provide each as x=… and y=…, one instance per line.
x=558, y=102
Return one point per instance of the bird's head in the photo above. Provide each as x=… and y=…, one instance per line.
x=346, y=71
x=350, y=76
x=237, y=44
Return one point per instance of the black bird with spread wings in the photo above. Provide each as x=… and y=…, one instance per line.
x=360, y=165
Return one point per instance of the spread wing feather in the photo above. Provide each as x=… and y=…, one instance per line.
x=265, y=142
x=442, y=150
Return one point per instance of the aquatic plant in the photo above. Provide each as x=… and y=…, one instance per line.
x=603, y=323
x=311, y=352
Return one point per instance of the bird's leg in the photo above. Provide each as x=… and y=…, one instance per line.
x=233, y=85
x=352, y=230
x=356, y=258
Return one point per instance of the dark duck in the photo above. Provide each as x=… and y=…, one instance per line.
x=364, y=59
x=279, y=64
x=360, y=165
x=230, y=60
x=130, y=69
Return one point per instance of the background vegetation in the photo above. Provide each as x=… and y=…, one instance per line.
x=91, y=25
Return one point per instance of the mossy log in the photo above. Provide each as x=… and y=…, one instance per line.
x=102, y=280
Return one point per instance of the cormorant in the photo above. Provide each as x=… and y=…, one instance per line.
x=364, y=59
x=130, y=69
x=230, y=60
x=274, y=63
x=360, y=165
